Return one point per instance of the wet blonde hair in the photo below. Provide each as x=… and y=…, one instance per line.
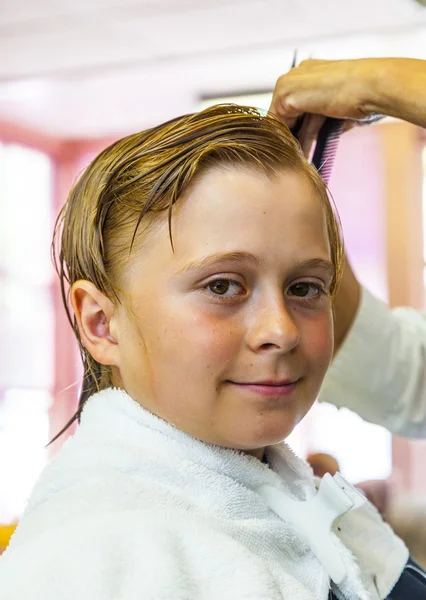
x=131, y=183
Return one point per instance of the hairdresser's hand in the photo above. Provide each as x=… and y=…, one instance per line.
x=323, y=87
x=335, y=88
x=352, y=89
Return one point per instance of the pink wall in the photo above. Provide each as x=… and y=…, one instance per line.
x=357, y=186
x=377, y=187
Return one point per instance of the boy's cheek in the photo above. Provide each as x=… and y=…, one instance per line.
x=210, y=338
x=319, y=338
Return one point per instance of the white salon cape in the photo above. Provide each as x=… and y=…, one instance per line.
x=131, y=508
x=380, y=370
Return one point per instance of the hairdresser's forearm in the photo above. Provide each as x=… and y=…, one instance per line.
x=353, y=89
x=346, y=305
x=399, y=89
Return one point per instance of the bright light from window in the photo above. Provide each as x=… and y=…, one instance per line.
x=24, y=431
x=26, y=306
x=26, y=219
x=26, y=322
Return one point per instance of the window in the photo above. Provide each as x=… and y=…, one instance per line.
x=26, y=322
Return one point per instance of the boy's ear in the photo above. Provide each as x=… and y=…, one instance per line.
x=94, y=313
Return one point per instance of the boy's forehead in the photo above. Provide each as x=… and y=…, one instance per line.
x=228, y=205
x=244, y=212
x=228, y=191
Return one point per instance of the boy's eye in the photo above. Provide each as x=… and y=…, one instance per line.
x=305, y=289
x=224, y=287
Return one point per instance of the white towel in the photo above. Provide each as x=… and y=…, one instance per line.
x=134, y=509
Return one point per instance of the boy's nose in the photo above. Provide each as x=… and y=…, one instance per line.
x=274, y=330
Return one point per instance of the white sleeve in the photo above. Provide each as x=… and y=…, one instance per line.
x=380, y=370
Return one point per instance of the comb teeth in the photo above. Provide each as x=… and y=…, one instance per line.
x=326, y=147
x=328, y=157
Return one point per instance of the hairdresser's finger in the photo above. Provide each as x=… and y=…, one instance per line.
x=309, y=132
x=290, y=119
x=292, y=94
x=281, y=103
x=349, y=124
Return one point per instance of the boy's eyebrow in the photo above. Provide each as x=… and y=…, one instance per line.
x=318, y=263
x=235, y=257
x=238, y=257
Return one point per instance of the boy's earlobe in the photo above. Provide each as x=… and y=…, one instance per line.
x=94, y=313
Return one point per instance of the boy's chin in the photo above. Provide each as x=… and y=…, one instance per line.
x=256, y=446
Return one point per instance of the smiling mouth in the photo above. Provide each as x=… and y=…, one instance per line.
x=268, y=388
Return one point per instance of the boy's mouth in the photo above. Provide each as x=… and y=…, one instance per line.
x=269, y=387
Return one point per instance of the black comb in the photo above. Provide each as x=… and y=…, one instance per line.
x=328, y=137
x=327, y=140
x=326, y=146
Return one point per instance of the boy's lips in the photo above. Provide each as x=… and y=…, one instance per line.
x=269, y=387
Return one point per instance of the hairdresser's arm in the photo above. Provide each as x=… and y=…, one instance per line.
x=380, y=369
x=353, y=89
x=346, y=305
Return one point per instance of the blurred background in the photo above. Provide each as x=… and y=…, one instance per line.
x=75, y=76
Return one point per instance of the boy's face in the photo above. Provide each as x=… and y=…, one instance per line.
x=229, y=336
